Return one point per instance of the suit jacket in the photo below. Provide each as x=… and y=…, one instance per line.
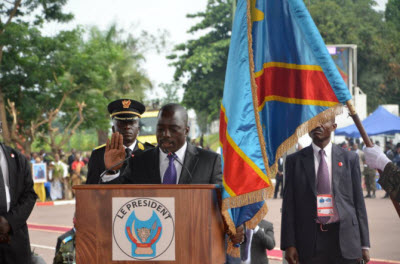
x=299, y=208
x=262, y=240
x=23, y=198
x=96, y=162
x=204, y=167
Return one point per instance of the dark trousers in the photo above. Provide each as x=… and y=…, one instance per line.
x=279, y=182
x=327, y=248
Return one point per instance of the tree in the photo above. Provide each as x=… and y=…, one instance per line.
x=54, y=84
x=117, y=74
x=392, y=13
x=201, y=63
x=171, y=91
x=36, y=85
x=356, y=22
x=13, y=19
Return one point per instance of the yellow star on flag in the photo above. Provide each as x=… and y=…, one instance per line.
x=256, y=15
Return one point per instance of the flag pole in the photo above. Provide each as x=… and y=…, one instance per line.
x=368, y=143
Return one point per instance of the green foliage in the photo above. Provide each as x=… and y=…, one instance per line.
x=201, y=63
x=107, y=68
x=392, y=13
x=356, y=22
x=171, y=91
x=85, y=140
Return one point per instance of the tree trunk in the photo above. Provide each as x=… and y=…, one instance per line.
x=102, y=136
x=3, y=118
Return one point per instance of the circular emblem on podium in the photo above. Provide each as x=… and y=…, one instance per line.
x=144, y=228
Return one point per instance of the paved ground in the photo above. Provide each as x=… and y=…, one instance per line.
x=48, y=222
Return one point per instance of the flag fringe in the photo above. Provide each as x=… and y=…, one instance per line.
x=305, y=128
x=254, y=92
x=252, y=223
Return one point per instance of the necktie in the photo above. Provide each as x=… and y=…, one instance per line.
x=323, y=183
x=128, y=152
x=170, y=173
x=3, y=199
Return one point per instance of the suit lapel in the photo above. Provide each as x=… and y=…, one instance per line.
x=191, y=158
x=309, y=167
x=337, y=170
x=10, y=157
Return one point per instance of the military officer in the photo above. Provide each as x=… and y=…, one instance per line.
x=66, y=252
x=125, y=114
x=390, y=178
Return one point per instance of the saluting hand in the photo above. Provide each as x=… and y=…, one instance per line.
x=115, y=151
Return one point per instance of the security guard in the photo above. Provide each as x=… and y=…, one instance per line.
x=125, y=114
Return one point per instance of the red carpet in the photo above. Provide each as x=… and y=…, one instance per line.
x=49, y=228
x=276, y=254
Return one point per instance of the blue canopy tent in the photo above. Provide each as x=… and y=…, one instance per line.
x=377, y=123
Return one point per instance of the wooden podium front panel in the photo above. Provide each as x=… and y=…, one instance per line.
x=199, y=234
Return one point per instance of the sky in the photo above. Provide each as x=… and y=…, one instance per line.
x=134, y=16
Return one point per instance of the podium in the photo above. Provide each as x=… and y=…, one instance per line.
x=102, y=223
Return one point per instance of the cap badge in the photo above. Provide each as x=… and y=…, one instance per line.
x=126, y=103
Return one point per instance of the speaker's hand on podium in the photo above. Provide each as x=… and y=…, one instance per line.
x=115, y=151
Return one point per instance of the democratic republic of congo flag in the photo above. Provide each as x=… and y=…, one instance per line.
x=280, y=83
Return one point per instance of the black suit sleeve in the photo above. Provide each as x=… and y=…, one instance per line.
x=26, y=196
x=266, y=236
x=95, y=167
x=288, y=238
x=216, y=177
x=359, y=203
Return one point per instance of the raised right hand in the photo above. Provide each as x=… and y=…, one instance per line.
x=115, y=151
x=291, y=255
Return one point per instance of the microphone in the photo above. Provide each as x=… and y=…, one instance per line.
x=183, y=166
x=113, y=166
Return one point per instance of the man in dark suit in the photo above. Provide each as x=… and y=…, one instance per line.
x=164, y=163
x=17, y=199
x=125, y=114
x=324, y=219
x=262, y=239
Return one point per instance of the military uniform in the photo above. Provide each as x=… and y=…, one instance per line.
x=66, y=253
x=96, y=161
x=123, y=111
x=390, y=180
x=370, y=184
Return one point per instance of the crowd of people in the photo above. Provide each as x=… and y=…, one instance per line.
x=61, y=173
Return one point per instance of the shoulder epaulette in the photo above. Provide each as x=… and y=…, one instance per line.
x=99, y=147
x=140, y=146
x=68, y=238
x=149, y=145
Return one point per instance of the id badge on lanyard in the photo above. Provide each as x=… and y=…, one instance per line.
x=324, y=205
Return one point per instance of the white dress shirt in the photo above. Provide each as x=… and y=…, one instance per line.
x=164, y=162
x=4, y=170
